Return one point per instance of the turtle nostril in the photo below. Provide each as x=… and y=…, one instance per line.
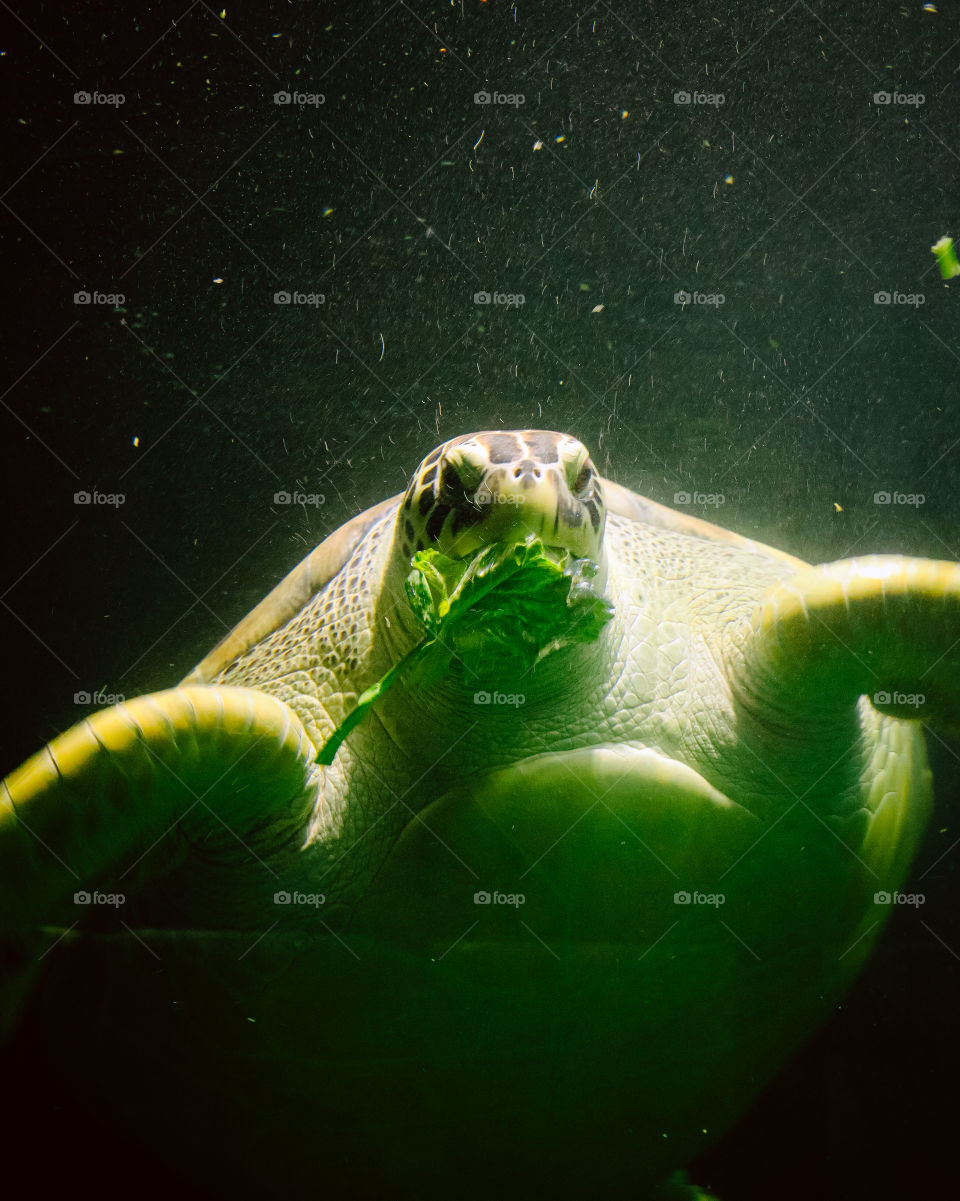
x=528, y=470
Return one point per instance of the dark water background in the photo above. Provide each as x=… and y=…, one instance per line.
x=398, y=198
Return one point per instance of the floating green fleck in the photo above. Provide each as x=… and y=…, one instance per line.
x=504, y=610
x=946, y=257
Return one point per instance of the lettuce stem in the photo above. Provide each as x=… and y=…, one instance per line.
x=364, y=701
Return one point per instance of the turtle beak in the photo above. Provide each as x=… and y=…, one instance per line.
x=532, y=498
x=520, y=484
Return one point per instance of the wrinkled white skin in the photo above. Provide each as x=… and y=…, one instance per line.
x=659, y=677
x=599, y=1027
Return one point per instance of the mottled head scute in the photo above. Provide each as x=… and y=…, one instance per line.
x=503, y=486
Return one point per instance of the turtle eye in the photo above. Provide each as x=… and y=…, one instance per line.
x=584, y=477
x=459, y=479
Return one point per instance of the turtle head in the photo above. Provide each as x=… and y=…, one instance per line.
x=493, y=487
x=503, y=486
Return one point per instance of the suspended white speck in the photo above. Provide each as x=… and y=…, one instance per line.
x=218, y=279
x=538, y=145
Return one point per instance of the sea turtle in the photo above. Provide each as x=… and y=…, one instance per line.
x=550, y=933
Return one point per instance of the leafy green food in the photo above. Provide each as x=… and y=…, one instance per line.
x=946, y=257
x=500, y=612
x=505, y=609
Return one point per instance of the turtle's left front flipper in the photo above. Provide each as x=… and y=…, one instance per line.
x=885, y=625
x=129, y=792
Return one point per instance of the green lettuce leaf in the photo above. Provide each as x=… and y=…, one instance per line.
x=508, y=607
x=500, y=612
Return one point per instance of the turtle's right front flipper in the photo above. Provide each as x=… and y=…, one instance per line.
x=128, y=792
x=883, y=625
